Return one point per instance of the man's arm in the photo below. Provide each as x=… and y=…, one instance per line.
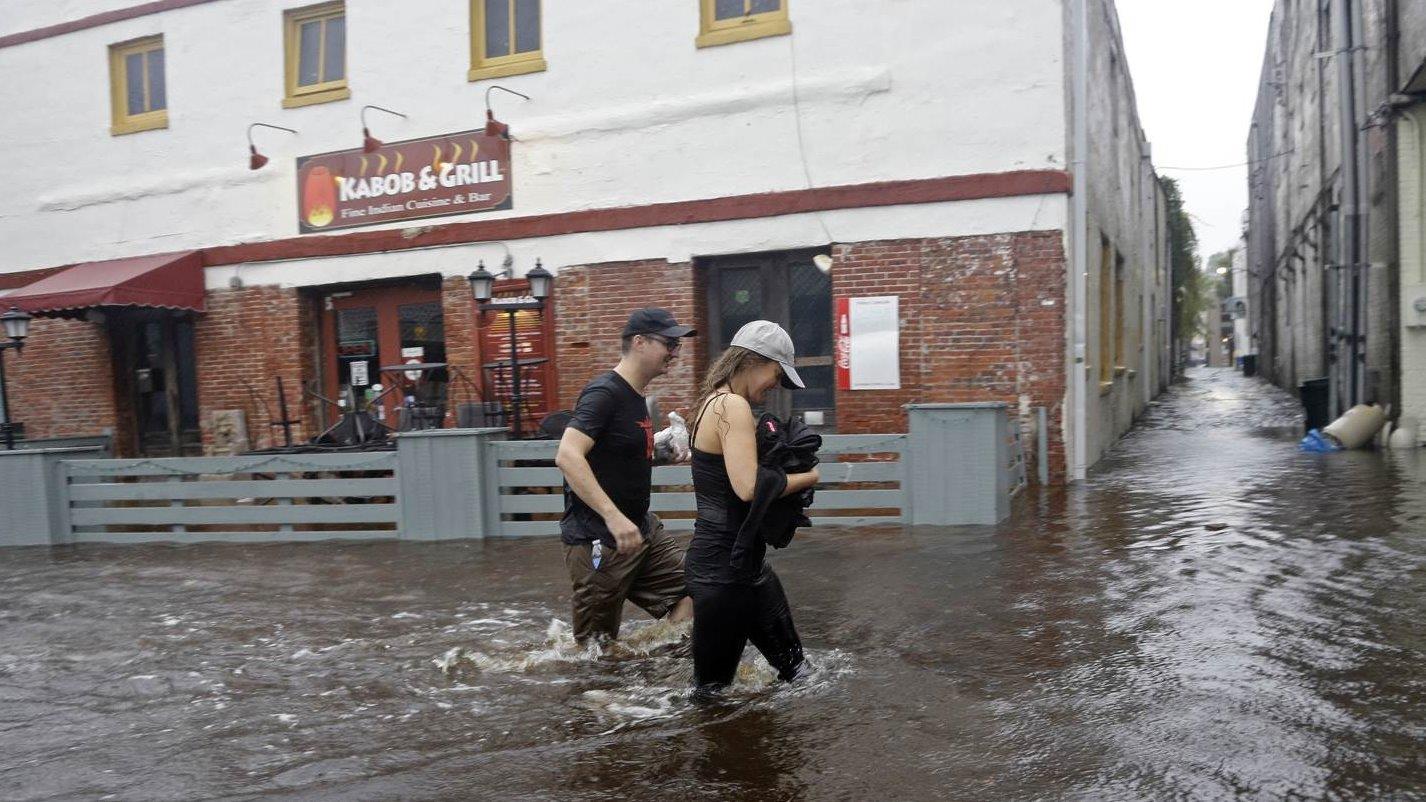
x=572, y=460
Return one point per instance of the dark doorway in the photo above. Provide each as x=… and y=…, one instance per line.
x=788, y=289
x=158, y=375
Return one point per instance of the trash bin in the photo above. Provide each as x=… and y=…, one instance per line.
x=1250, y=364
x=1314, y=395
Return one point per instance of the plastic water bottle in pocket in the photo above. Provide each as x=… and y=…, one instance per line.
x=596, y=552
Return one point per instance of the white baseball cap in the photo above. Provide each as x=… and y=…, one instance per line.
x=766, y=338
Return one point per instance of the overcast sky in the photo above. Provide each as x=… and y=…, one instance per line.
x=1195, y=68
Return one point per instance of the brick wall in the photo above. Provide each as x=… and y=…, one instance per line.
x=246, y=339
x=982, y=319
x=460, y=319
x=882, y=268
x=592, y=304
x=62, y=383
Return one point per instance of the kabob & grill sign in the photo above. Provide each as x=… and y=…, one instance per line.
x=442, y=175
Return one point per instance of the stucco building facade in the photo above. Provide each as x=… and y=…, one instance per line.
x=699, y=161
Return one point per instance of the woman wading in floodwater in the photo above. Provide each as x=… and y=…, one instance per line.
x=736, y=596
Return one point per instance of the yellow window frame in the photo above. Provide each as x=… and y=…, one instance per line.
x=713, y=31
x=483, y=66
x=326, y=91
x=1119, y=310
x=1106, y=313
x=122, y=121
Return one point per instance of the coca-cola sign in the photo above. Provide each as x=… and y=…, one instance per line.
x=431, y=177
x=843, y=342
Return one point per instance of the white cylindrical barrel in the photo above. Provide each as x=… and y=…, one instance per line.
x=1357, y=427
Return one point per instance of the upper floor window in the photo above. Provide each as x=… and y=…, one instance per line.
x=505, y=38
x=727, y=21
x=137, y=87
x=316, y=42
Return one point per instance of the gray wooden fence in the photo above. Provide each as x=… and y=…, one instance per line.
x=252, y=498
x=852, y=493
x=959, y=464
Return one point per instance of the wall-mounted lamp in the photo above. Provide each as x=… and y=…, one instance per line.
x=369, y=143
x=257, y=160
x=494, y=127
x=17, y=328
x=823, y=263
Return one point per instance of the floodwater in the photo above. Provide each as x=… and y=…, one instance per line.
x=1215, y=615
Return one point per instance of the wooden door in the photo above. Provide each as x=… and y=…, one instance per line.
x=158, y=373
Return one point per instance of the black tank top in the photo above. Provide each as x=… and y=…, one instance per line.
x=720, y=514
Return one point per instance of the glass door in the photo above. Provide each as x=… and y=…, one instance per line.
x=788, y=289
x=384, y=338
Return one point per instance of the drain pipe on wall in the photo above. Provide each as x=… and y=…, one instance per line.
x=1147, y=200
x=1361, y=274
x=1343, y=376
x=1079, y=259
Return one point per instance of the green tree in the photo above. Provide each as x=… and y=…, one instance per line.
x=1188, y=286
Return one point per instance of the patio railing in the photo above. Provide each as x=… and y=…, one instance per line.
x=959, y=464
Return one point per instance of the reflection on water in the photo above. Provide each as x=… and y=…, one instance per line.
x=1214, y=615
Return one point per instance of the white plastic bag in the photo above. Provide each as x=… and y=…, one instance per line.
x=671, y=444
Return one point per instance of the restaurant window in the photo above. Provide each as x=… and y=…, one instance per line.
x=137, y=86
x=315, y=39
x=505, y=38
x=726, y=21
x=788, y=289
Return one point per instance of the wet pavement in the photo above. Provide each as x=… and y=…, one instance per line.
x=1214, y=615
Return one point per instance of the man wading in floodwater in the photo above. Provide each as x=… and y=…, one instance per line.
x=613, y=547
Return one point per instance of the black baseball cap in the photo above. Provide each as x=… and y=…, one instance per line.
x=653, y=320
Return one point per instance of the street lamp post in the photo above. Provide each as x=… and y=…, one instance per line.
x=17, y=328
x=482, y=284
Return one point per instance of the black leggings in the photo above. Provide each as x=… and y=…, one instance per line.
x=726, y=617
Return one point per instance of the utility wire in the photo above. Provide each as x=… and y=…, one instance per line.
x=1239, y=164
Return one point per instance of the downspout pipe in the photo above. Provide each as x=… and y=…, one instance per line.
x=1146, y=277
x=1361, y=274
x=1344, y=368
x=1079, y=219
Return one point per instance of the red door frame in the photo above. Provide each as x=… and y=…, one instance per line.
x=385, y=300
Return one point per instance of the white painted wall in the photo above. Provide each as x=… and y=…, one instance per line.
x=628, y=113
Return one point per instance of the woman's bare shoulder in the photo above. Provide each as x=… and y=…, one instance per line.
x=723, y=411
x=732, y=405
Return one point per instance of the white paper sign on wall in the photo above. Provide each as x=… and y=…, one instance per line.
x=875, y=343
x=359, y=375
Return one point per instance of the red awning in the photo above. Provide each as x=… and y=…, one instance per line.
x=166, y=281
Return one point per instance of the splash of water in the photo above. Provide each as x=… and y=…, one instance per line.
x=559, y=646
x=660, y=640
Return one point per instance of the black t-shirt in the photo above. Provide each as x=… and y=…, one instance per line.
x=616, y=418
